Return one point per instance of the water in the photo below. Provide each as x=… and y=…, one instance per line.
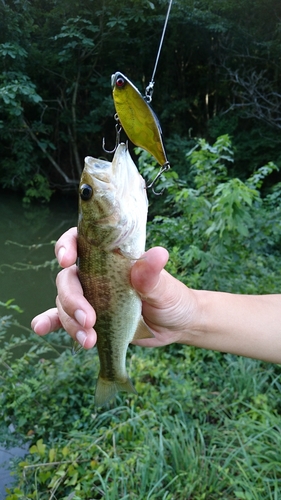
x=33, y=291
x=6, y=479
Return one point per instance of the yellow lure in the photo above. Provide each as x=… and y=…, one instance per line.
x=137, y=118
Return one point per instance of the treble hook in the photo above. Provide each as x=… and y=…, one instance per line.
x=163, y=169
x=118, y=129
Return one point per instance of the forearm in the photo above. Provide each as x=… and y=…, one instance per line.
x=247, y=325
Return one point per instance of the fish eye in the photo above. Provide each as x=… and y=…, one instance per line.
x=120, y=82
x=86, y=192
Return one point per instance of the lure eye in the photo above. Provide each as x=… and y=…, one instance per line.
x=86, y=192
x=120, y=82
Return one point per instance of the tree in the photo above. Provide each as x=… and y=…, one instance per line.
x=57, y=58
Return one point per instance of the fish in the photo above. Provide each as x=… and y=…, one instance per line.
x=137, y=118
x=111, y=238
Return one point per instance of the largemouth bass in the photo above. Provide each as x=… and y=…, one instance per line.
x=111, y=236
x=137, y=118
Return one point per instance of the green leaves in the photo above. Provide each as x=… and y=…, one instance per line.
x=221, y=232
x=208, y=162
x=204, y=425
x=79, y=34
x=9, y=305
x=12, y=50
x=57, y=59
x=257, y=178
x=15, y=89
x=37, y=189
x=39, y=448
x=229, y=208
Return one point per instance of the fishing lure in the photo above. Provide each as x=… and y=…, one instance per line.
x=138, y=120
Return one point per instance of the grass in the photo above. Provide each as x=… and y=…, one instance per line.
x=204, y=426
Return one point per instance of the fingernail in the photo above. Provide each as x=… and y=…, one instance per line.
x=81, y=337
x=34, y=325
x=80, y=316
x=39, y=326
x=61, y=253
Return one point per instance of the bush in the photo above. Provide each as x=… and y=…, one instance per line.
x=205, y=425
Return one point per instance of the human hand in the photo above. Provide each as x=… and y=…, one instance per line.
x=167, y=303
x=73, y=311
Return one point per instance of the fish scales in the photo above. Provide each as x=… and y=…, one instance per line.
x=111, y=236
x=118, y=308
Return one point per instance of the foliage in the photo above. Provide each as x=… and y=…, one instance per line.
x=219, y=72
x=210, y=434
x=37, y=188
x=221, y=233
x=205, y=425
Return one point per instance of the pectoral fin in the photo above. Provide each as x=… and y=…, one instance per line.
x=143, y=331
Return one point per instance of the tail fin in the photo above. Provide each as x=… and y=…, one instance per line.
x=106, y=389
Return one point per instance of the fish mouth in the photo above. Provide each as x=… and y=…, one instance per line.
x=101, y=178
x=100, y=170
x=100, y=182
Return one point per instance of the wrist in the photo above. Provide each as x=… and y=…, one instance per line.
x=194, y=323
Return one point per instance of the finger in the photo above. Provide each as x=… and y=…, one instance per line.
x=66, y=248
x=55, y=318
x=72, y=300
x=145, y=274
x=161, y=294
x=46, y=322
x=87, y=337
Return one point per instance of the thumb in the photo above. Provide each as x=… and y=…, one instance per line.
x=161, y=296
x=145, y=274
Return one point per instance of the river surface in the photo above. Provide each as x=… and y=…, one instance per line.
x=32, y=290
x=5, y=456
x=20, y=228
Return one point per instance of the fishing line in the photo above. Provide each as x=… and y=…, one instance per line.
x=140, y=113
x=150, y=87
